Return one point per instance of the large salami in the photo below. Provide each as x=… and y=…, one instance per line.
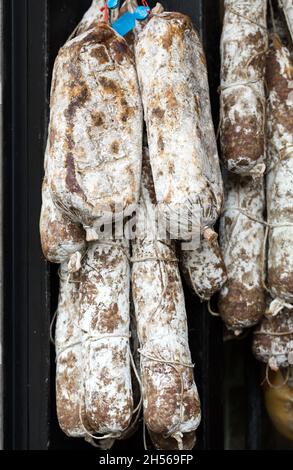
x=104, y=320
x=243, y=47
x=242, y=239
x=280, y=172
x=69, y=357
x=172, y=75
x=95, y=138
x=171, y=402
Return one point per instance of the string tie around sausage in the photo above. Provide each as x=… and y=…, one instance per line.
x=267, y=377
x=277, y=305
x=168, y=362
x=175, y=433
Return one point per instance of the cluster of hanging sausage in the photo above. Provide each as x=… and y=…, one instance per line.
x=99, y=167
x=121, y=332
x=257, y=143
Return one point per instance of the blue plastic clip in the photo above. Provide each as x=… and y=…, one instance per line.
x=112, y=4
x=126, y=22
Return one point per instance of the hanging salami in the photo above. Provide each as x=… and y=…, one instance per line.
x=60, y=237
x=171, y=403
x=69, y=357
x=242, y=239
x=204, y=268
x=243, y=47
x=95, y=139
x=279, y=77
x=273, y=340
x=172, y=75
x=104, y=320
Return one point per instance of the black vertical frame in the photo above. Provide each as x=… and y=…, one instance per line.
x=33, y=32
x=26, y=320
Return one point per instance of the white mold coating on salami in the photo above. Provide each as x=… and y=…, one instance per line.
x=91, y=17
x=60, y=237
x=287, y=6
x=95, y=140
x=204, y=268
x=280, y=175
x=105, y=317
x=169, y=62
x=171, y=402
x=69, y=359
x=243, y=47
x=242, y=299
x=271, y=344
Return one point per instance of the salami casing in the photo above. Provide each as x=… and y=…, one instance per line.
x=69, y=358
x=273, y=340
x=243, y=47
x=162, y=443
x=104, y=319
x=91, y=17
x=172, y=75
x=171, y=402
x=287, y=7
x=242, y=239
x=204, y=268
x=279, y=78
x=95, y=141
x=60, y=237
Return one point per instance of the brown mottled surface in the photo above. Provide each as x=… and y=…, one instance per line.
x=105, y=316
x=276, y=347
x=204, y=268
x=242, y=298
x=60, y=237
x=161, y=443
x=69, y=358
x=174, y=87
x=95, y=147
x=160, y=312
x=280, y=176
x=243, y=45
x=241, y=308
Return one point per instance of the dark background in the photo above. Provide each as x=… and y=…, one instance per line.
x=34, y=30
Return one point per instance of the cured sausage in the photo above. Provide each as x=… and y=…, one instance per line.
x=187, y=181
x=204, y=268
x=279, y=77
x=243, y=47
x=242, y=239
x=69, y=356
x=95, y=139
x=273, y=340
x=171, y=402
x=60, y=237
x=104, y=319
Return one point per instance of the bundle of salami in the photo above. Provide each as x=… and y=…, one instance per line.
x=132, y=191
x=257, y=144
x=100, y=167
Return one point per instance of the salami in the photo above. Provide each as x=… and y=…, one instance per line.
x=243, y=47
x=279, y=79
x=273, y=340
x=92, y=16
x=69, y=358
x=95, y=139
x=60, y=237
x=242, y=239
x=204, y=268
x=162, y=443
x=172, y=75
x=104, y=319
x=287, y=7
x=170, y=397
